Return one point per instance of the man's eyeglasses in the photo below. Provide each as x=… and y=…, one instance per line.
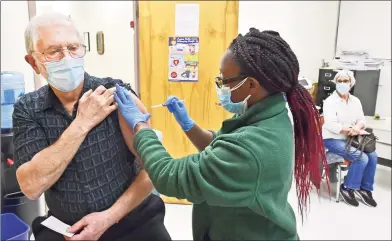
x=220, y=82
x=55, y=54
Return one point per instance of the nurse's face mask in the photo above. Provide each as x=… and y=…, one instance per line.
x=224, y=94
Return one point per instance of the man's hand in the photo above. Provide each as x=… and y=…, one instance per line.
x=95, y=106
x=128, y=108
x=91, y=227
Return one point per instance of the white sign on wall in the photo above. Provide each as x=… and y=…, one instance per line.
x=187, y=20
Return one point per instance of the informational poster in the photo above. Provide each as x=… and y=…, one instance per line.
x=183, y=59
x=187, y=20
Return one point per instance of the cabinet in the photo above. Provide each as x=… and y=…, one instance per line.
x=382, y=129
x=366, y=87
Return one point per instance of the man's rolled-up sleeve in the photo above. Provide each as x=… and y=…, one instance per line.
x=330, y=118
x=29, y=137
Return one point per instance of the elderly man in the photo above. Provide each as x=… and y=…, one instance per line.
x=69, y=145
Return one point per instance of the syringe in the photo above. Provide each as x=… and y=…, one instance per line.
x=156, y=106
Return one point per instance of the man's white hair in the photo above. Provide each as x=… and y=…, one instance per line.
x=45, y=20
x=345, y=73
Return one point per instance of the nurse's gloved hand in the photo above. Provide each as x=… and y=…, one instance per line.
x=177, y=107
x=128, y=107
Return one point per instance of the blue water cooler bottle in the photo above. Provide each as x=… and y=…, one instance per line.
x=12, y=88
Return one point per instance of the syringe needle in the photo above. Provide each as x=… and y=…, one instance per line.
x=156, y=106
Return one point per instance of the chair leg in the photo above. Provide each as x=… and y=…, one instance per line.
x=338, y=183
x=321, y=168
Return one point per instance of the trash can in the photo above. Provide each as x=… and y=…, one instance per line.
x=12, y=228
x=17, y=203
x=12, y=199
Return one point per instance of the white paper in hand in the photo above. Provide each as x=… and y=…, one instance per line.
x=57, y=226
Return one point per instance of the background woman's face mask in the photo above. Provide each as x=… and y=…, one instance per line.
x=224, y=95
x=343, y=88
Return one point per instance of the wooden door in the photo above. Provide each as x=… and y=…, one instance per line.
x=218, y=26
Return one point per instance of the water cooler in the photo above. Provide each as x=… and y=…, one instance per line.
x=12, y=199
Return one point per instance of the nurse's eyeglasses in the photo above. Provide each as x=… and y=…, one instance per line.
x=220, y=82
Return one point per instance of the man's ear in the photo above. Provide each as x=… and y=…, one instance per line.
x=31, y=61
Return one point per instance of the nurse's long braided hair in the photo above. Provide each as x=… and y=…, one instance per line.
x=270, y=60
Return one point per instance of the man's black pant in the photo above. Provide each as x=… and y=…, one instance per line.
x=144, y=224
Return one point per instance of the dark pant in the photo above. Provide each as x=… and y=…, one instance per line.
x=145, y=223
x=362, y=168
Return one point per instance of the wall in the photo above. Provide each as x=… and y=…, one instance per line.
x=111, y=17
x=365, y=26
x=383, y=104
x=308, y=26
x=14, y=19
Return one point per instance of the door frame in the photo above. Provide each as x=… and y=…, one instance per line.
x=136, y=47
x=32, y=11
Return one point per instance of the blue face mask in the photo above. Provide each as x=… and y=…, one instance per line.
x=66, y=74
x=343, y=88
x=224, y=95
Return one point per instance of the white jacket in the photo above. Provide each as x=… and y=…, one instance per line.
x=338, y=115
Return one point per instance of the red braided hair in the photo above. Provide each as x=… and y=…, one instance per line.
x=309, y=145
x=269, y=59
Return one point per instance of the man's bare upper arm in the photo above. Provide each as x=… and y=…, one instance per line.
x=140, y=105
x=126, y=129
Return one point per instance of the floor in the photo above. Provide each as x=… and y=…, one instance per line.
x=327, y=220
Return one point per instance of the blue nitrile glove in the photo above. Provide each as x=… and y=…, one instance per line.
x=177, y=107
x=128, y=107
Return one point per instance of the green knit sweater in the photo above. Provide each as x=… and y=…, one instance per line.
x=239, y=184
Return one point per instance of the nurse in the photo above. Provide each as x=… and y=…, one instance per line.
x=240, y=179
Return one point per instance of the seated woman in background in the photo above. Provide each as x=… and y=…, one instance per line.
x=343, y=117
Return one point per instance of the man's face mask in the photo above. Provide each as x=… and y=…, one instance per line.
x=66, y=74
x=224, y=95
